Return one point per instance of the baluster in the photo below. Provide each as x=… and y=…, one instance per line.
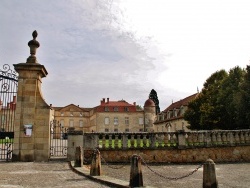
x=190, y=139
x=139, y=141
x=214, y=138
x=236, y=137
x=110, y=141
x=103, y=141
x=200, y=139
x=162, y=140
x=224, y=138
x=152, y=140
x=171, y=139
x=156, y=140
x=242, y=138
x=116, y=141
x=247, y=137
x=166, y=139
x=219, y=141
x=174, y=140
x=132, y=141
x=145, y=140
x=208, y=138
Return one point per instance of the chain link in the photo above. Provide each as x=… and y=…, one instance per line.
x=171, y=178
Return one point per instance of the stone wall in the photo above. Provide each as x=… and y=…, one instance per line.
x=190, y=155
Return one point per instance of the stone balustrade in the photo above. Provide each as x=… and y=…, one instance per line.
x=158, y=140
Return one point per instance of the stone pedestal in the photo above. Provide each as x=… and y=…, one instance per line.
x=136, y=179
x=31, y=111
x=209, y=175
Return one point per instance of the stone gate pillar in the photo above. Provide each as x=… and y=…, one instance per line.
x=31, y=133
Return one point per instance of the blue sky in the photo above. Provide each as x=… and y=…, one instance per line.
x=122, y=49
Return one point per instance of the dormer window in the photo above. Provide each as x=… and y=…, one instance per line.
x=106, y=109
x=116, y=109
x=126, y=109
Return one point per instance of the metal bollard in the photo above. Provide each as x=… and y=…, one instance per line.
x=209, y=175
x=136, y=172
x=78, y=157
x=95, y=169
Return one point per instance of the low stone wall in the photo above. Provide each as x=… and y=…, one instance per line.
x=188, y=155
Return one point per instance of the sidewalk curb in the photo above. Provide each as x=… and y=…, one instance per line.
x=106, y=180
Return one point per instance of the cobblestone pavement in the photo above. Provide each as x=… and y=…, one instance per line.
x=58, y=174
x=228, y=175
x=46, y=174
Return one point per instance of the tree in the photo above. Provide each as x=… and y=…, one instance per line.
x=204, y=112
x=244, y=113
x=154, y=97
x=229, y=99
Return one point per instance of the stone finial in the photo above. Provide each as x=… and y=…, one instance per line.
x=33, y=44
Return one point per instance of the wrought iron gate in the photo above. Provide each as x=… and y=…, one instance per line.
x=58, y=140
x=8, y=92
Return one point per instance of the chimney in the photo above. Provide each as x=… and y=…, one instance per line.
x=103, y=101
x=134, y=103
x=107, y=100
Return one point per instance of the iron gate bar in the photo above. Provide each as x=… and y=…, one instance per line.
x=8, y=92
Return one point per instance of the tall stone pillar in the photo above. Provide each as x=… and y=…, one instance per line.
x=32, y=130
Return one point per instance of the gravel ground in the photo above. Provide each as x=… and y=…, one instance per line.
x=228, y=175
x=58, y=174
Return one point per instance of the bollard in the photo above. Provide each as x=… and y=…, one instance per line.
x=136, y=172
x=209, y=175
x=95, y=169
x=78, y=157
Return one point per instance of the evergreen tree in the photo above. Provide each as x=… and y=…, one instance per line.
x=154, y=97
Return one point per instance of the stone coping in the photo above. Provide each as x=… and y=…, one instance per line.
x=84, y=171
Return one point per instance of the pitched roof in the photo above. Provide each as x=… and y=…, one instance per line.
x=182, y=102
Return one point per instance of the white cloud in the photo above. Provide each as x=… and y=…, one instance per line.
x=123, y=49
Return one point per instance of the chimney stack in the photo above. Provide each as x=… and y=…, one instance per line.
x=107, y=100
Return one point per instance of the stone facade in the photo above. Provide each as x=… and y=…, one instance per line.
x=109, y=116
x=190, y=155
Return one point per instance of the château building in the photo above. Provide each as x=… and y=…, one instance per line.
x=172, y=118
x=108, y=116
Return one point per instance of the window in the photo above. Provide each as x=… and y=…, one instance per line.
x=116, y=109
x=71, y=113
x=81, y=123
x=62, y=123
x=62, y=113
x=71, y=123
x=106, y=130
x=106, y=109
x=126, y=109
x=116, y=130
x=126, y=130
x=140, y=130
x=115, y=120
x=126, y=120
x=81, y=114
x=140, y=121
x=106, y=121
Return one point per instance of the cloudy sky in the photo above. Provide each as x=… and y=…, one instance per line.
x=121, y=49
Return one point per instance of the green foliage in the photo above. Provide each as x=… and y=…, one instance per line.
x=223, y=102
